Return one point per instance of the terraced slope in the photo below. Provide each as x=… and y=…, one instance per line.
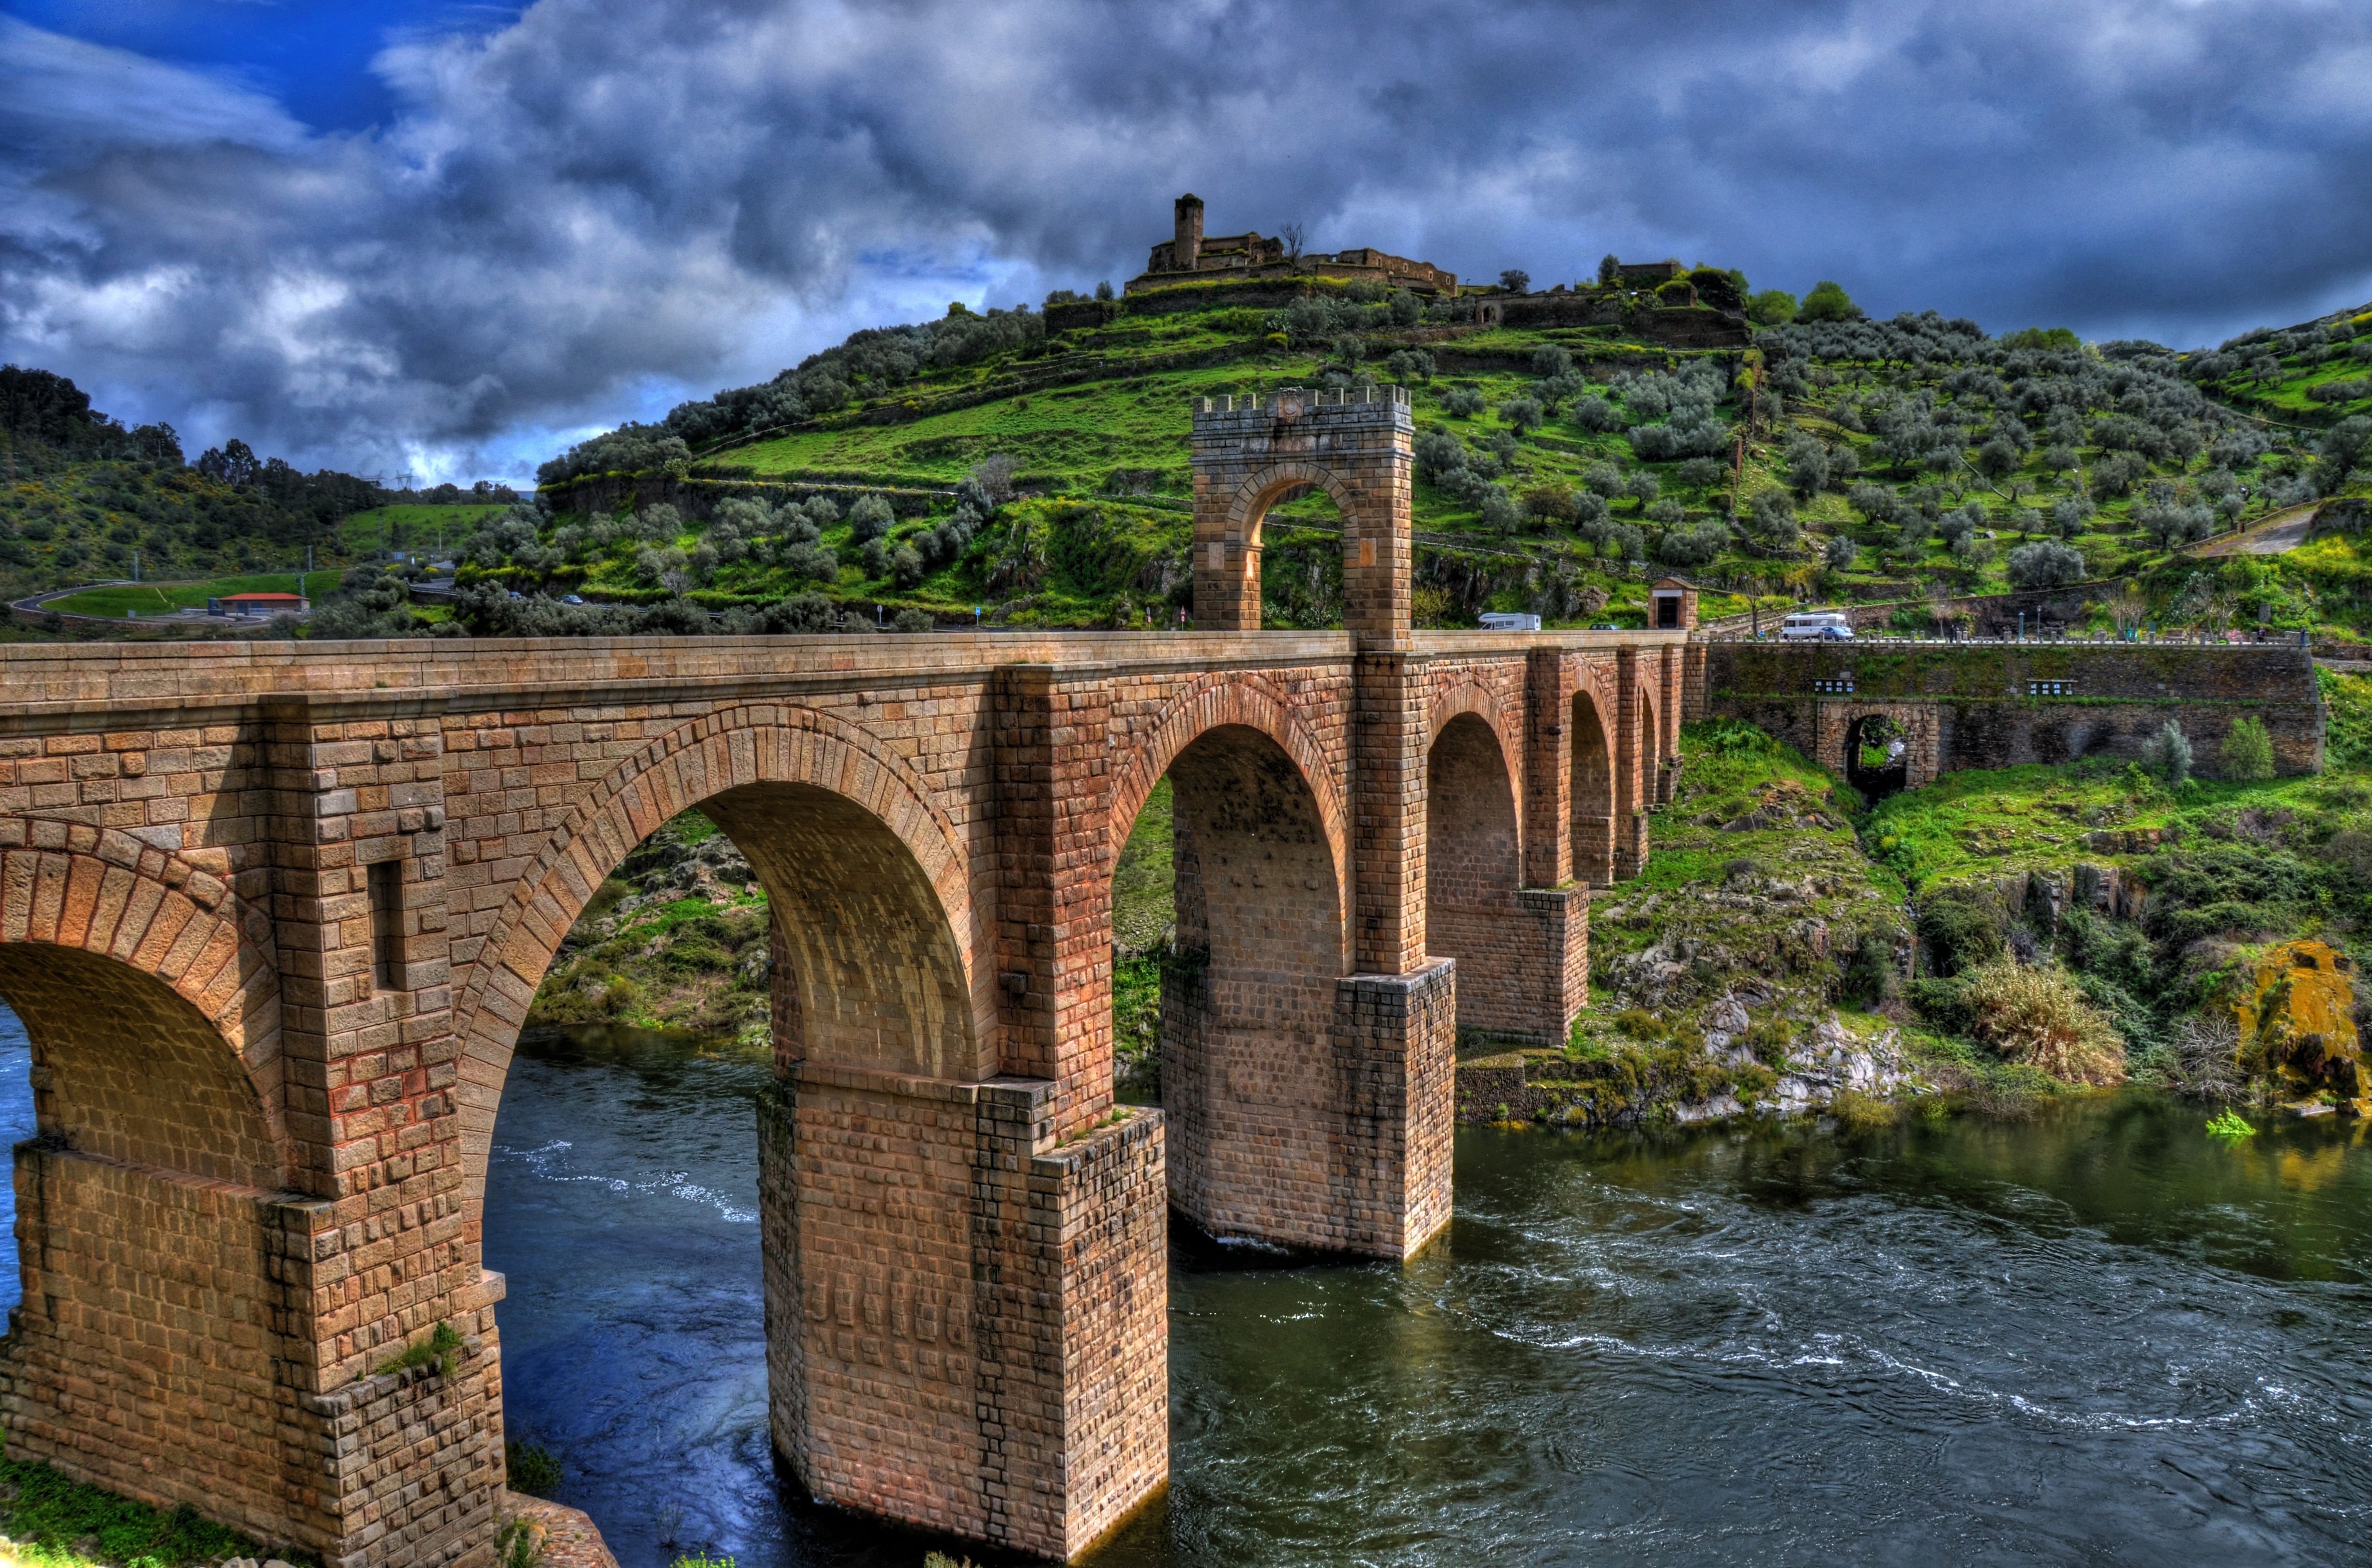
x=1561, y=469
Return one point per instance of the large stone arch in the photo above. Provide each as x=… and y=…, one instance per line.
x=1265, y=487
x=1921, y=724
x=1473, y=860
x=154, y=1204
x=153, y=1002
x=1472, y=697
x=1255, y=1100
x=1211, y=701
x=869, y=877
x=1592, y=752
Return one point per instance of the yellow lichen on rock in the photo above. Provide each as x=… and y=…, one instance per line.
x=2297, y=1019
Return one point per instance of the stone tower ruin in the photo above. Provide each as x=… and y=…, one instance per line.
x=1186, y=242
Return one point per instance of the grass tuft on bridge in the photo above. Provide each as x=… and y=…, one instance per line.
x=53, y=1522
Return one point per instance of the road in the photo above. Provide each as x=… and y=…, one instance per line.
x=2278, y=531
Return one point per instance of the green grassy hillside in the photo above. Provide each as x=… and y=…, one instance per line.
x=1559, y=470
x=84, y=500
x=2315, y=373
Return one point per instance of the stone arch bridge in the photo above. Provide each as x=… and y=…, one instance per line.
x=273, y=914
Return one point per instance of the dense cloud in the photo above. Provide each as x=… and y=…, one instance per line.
x=588, y=212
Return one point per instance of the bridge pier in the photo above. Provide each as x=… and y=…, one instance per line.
x=966, y=1316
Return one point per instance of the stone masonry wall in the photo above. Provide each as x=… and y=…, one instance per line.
x=151, y=1325
x=1992, y=706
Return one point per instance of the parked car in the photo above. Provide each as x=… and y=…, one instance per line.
x=1816, y=625
x=570, y=599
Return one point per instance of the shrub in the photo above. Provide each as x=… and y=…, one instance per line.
x=2039, y=1018
x=1683, y=547
x=1461, y=402
x=2167, y=753
x=1868, y=973
x=912, y=619
x=801, y=614
x=2247, y=754
x=1639, y=1024
x=1962, y=928
x=532, y=1468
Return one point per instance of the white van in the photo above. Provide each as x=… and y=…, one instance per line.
x=1816, y=625
x=1508, y=620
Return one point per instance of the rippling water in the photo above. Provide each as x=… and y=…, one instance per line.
x=2097, y=1336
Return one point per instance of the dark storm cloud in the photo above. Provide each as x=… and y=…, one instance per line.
x=578, y=217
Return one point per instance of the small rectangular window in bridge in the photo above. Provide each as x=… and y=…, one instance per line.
x=387, y=924
x=2050, y=688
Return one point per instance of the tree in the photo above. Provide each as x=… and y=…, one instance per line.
x=869, y=518
x=1610, y=271
x=1515, y=280
x=1549, y=360
x=1643, y=488
x=1770, y=520
x=1875, y=502
x=1828, y=302
x=2167, y=753
x=1689, y=546
x=1772, y=307
x=1521, y=414
x=1807, y=466
x=1841, y=552
x=2247, y=754
x=2343, y=446
x=1293, y=235
x=1997, y=458
x=2046, y=564
x=1551, y=503
x=1104, y=289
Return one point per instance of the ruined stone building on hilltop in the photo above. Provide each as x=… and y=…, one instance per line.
x=1189, y=256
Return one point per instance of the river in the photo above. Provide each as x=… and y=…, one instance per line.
x=2099, y=1336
